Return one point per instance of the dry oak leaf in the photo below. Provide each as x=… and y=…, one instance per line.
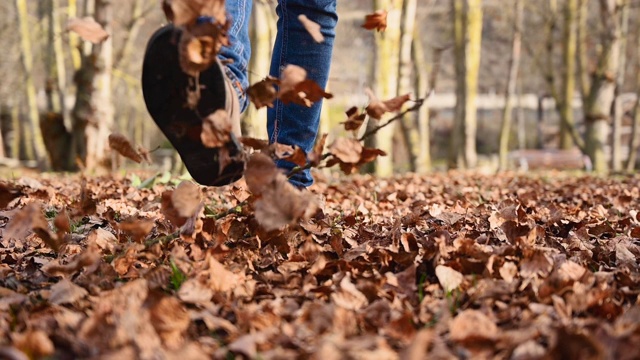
x=346, y=150
x=36, y=343
x=377, y=21
x=123, y=146
x=449, y=279
x=261, y=172
x=472, y=326
x=186, y=199
x=264, y=92
x=186, y=12
x=312, y=28
x=316, y=155
x=66, y=292
x=88, y=29
x=376, y=108
x=216, y=129
x=354, y=119
x=282, y=204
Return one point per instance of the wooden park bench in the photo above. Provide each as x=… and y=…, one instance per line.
x=538, y=159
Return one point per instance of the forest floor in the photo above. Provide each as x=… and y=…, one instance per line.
x=441, y=266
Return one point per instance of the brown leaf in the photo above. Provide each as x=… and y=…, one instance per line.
x=472, y=326
x=88, y=29
x=7, y=194
x=194, y=292
x=377, y=20
x=312, y=28
x=170, y=320
x=197, y=53
x=186, y=199
x=66, y=292
x=256, y=144
x=185, y=12
x=36, y=343
x=61, y=222
x=348, y=296
x=316, y=154
x=138, y=229
x=448, y=278
x=354, y=119
x=121, y=144
x=290, y=153
x=282, y=204
x=346, y=150
x=31, y=217
x=290, y=77
x=264, y=92
x=216, y=129
x=376, y=108
x=305, y=93
x=261, y=172
x=89, y=258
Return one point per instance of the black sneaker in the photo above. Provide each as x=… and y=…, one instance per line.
x=165, y=89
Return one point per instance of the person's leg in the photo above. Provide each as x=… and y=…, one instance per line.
x=293, y=124
x=237, y=55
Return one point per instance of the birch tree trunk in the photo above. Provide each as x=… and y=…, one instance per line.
x=505, y=131
x=583, y=71
x=33, y=138
x=634, y=141
x=423, y=144
x=253, y=123
x=602, y=93
x=569, y=43
x=467, y=50
x=618, y=112
x=386, y=76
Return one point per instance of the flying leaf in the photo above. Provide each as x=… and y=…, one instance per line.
x=305, y=93
x=186, y=12
x=316, y=155
x=186, y=198
x=346, y=150
x=121, y=144
x=88, y=29
x=261, y=171
x=377, y=21
x=354, y=119
x=376, y=108
x=312, y=28
x=264, y=92
x=257, y=144
x=216, y=129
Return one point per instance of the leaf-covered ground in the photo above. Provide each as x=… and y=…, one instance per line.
x=441, y=266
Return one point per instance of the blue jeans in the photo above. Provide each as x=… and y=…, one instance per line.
x=286, y=124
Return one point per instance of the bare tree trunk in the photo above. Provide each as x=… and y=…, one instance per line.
x=405, y=71
x=617, y=111
x=583, y=70
x=423, y=144
x=33, y=137
x=386, y=76
x=569, y=75
x=74, y=39
x=601, y=96
x=634, y=142
x=467, y=48
x=505, y=131
x=253, y=123
x=93, y=112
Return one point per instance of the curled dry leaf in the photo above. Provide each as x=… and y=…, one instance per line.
x=264, y=92
x=473, y=326
x=312, y=28
x=316, y=155
x=449, y=279
x=123, y=146
x=186, y=12
x=354, y=119
x=216, y=129
x=376, y=108
x=346, y=150
x=88, y=29
x=186, y=199
x=377, y=21
x=261, y=172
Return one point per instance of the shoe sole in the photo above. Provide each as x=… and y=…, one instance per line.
x=164, y=88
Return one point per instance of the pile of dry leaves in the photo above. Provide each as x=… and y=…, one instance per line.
x=443, y=266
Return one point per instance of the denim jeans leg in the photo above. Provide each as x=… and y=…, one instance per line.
x=294, y=124
x=238, y=53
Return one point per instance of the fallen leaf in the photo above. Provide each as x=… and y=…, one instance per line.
x=264, y=92
x=66, y=292
x=449, y=279
x=471, y=326
x=36, y=343
x=216, y=129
